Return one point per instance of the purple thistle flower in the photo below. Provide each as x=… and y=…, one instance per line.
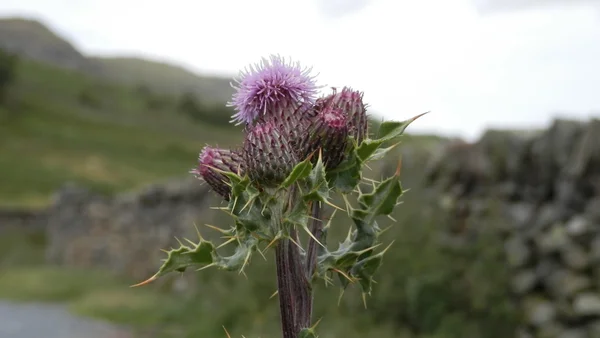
x=272, y=83
x=221, y=159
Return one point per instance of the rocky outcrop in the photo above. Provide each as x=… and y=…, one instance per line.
x=545, y=189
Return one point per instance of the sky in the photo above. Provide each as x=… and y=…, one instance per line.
x=474, y=64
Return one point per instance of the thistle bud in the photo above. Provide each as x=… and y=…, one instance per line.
x=211, y=161
x=268, y=154
x=328, y=132
x=350, y=102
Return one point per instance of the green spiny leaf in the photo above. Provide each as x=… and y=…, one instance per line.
x=238, y=184
x=317, y=183
x=391, y=129
x=347, y=175
x=367, y=148
x=300, y=172
x=381, y=201
x=179, y=259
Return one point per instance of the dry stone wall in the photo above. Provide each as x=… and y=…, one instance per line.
x=545, y=187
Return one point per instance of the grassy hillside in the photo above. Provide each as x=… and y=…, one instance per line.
x=34, y=40
x=166, y=77
x=65, y=126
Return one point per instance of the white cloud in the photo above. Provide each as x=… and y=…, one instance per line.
x=471, y=71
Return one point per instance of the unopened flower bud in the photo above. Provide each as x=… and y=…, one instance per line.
x=350, y=102
x=268, y=154
x=211, y=161
x=328, y=133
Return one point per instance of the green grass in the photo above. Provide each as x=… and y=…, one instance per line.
x=49, y=135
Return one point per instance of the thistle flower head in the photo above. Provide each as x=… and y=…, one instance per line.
x=350, y=102
x=272, y=83
x=268, y=154
x=211, y=161
x=329, y=133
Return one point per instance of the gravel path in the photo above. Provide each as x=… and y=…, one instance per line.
x=34, y=320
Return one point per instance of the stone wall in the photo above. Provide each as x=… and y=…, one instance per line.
x=125, y=233
x=546, y=188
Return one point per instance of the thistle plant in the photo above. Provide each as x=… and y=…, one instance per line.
x=298, y=154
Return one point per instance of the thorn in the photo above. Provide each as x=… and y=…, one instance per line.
x=340, y=296
x=232, y=239
x=366, y=165
x=344, y=274
x=384, y=230
x=234, y=203
x=271, y=243
x=246, y=260
x=262, y=254
x=317, y=323
x=178, y=241
x=364, y=297
x=387, y=248
x=198, y=232
x=348, y=205
x=165, y=251
x=192, y=243
x=246, y=205
x=215, y=228
x=298, y=245
x=311, y=235
x=274, y=294
x=147, y=281
x=369, y=248
x=206, y=266
x=328, y=225
x=227, y=333
x=392, y=218
x=333, y=205
x=399, y=167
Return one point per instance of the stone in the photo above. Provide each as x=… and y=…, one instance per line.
x=586, y=304
x=521, y=213
x=524, y=281
x=575, y=257
x=592, y=210
x=553, y=240
x=578, y=226
x=594, y=329
x=573, y=333
x=539, y=311
x=517, y=251
x=595, y=249
x=563, y=283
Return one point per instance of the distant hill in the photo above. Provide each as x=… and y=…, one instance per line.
x=32, y=39
x=165, y=77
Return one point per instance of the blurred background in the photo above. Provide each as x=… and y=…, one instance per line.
x=104, y=107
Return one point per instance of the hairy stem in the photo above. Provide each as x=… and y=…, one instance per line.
x=300, y=285
x=311, y=256
x=286, y=296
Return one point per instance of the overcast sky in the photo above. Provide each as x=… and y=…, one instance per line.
x=473, y=63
